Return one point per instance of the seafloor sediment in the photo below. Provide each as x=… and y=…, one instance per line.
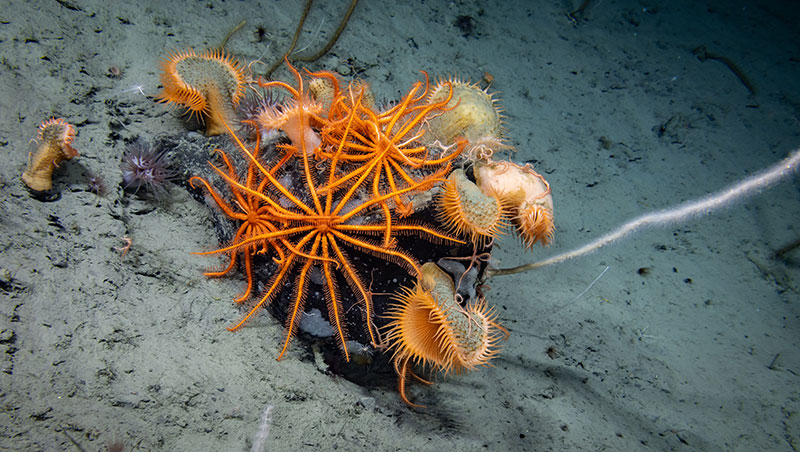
x=687, y=341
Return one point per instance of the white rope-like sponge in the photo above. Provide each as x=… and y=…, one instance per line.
x=752, y=185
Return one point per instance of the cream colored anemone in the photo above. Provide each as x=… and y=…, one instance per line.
x=526, y=191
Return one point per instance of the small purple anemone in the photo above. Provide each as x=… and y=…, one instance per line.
x=145, y=168
x=95, y=184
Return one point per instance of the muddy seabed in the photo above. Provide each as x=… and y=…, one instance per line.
x=689, y=341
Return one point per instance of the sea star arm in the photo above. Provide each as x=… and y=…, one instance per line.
x=269, y=294
x=399, y=228
x=334, y=316
x=273, y=287
x=258, y=238
x=224, y=206
x=299, y=299
x=392, y=255
x=355, y=282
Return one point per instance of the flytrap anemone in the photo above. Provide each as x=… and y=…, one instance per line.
x=145, y=168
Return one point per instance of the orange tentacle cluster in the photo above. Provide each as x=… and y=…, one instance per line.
x=430, y=328
x=208, y=84
x=466, y=210
x=318, y=225
x=387, y=150
x=343, y=187
x=54, y=146
x=254, y=218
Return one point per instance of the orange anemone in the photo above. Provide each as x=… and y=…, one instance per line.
x=429, y=327
x=208, y=84
x=465, y=209
x=55, y=145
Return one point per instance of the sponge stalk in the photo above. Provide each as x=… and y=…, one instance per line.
x=679, y=214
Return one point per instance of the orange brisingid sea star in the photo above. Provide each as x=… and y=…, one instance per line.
x=339, y=184
x=384, y=150
x=253, y=215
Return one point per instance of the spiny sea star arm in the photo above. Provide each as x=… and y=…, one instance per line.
x=371, y=202
x=419, y=117
x=365, y=171
x=393, y=255
x=310, y=179
x=400, y=110
x=334, y=304
x=269, y=294
x=248, y=270
x=257, y=238
x=219, y=273
x=224, y=206
x=379, y=228
x=388, y=165
x=339, y=150
x=355, y=282
x=400, y=171
x=266, y=174
x=273, y=287
x=460, y=144
x=352, y=174
x=401, y=367
x=299, y=300
x=278, y=212
x=283, y=85
x=387, y=213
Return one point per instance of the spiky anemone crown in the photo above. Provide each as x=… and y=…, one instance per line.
x=503, y=191
x=250, y=106
x=56, y=131
x=292, y=116
x=208, y=84
x=54, y=139
x=466, y=210
x=430, y=328
x=473, y=114
x=298, y=116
